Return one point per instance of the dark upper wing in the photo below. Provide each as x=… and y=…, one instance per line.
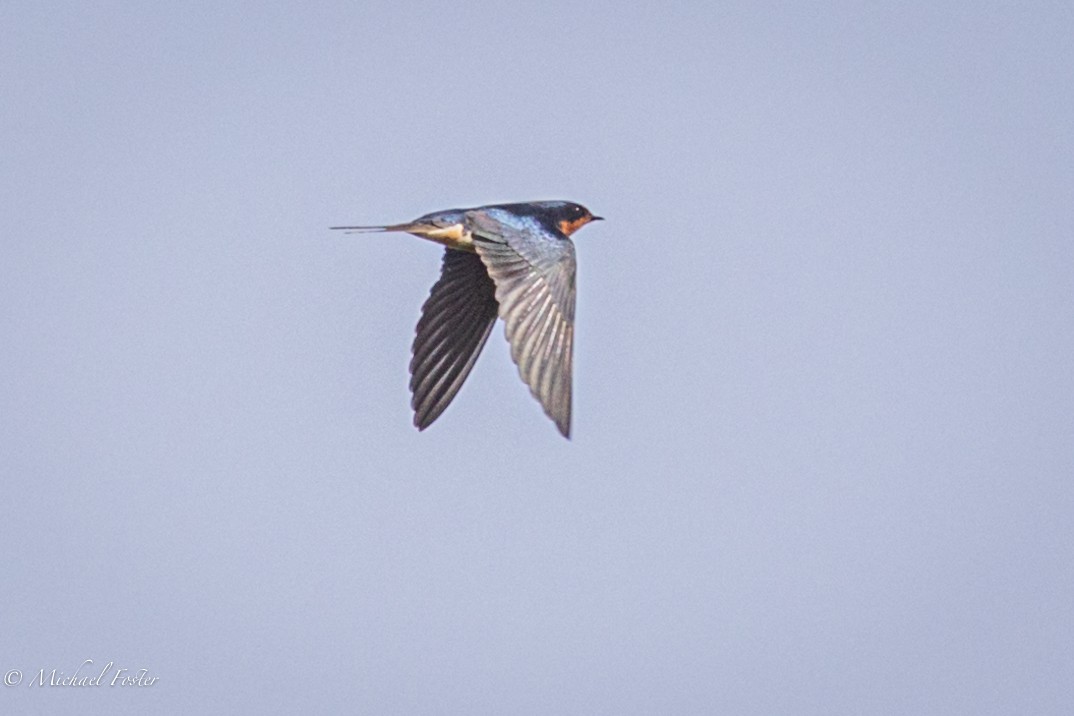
x=534, y=275
x=454, y=325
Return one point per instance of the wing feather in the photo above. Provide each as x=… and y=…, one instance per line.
x=455, y=323
x=533, y=271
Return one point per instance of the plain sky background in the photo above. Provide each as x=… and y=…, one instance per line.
x=823, y=454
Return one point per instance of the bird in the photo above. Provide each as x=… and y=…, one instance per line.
x=515, y=262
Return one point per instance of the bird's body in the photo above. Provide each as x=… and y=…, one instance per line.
x=515, y=261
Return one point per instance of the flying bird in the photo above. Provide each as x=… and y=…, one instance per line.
x=515, y=261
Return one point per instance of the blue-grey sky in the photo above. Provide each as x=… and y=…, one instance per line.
x=823, y=454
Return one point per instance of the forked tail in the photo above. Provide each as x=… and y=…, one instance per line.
x=412, y=227
x=362, y=229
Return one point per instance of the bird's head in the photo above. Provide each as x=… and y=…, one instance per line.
x=563, y=216
x=569, y=217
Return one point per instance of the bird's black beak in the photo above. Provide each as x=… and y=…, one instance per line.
x=597, y=218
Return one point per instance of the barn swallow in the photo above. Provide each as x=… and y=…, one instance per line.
x=515, y=261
